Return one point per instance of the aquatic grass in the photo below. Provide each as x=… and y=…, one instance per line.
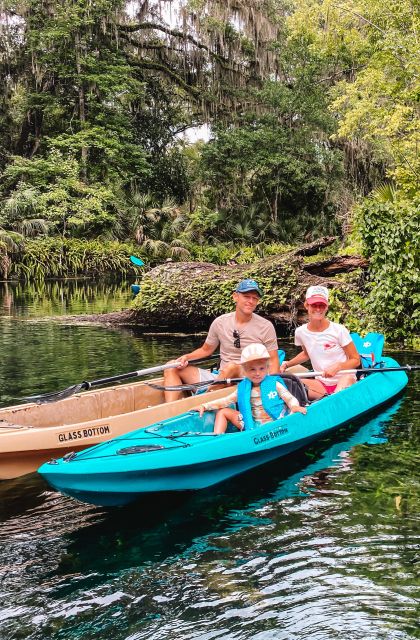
x=62, y=257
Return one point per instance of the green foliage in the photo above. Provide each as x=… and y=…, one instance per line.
x=58, y=196
x=59, y=258
x=372, y=50
x=230, y=253
x=271, y=177
x=390, y=234
x=278, y=279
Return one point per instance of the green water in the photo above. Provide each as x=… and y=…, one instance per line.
x=321, y=546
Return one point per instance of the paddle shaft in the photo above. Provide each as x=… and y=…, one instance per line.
x=314, y=374
x=142, y=372
x=307, y=374
x=85, y=385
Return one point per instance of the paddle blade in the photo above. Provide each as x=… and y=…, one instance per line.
x=54, y=396
x=137, y=261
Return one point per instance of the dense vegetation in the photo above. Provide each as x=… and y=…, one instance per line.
x=312, y=110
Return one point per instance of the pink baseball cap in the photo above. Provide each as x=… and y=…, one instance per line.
x=317, y=293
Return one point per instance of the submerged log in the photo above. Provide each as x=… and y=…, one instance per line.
x=187, y=296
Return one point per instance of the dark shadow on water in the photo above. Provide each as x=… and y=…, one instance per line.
x=20, y=495
x=159, y=527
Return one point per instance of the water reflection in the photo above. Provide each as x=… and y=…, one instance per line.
x=62, y=297
x=278, y=551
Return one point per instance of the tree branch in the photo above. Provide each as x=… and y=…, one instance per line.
x=172, y=32
x=156, y=66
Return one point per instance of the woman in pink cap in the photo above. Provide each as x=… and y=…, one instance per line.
x=327, y=345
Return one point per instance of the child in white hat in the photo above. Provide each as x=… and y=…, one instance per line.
x=260, y=397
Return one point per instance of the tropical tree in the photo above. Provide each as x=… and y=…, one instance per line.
x=371, y=51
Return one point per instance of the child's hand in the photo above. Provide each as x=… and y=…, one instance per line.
x=298, y=409
x=200, y=409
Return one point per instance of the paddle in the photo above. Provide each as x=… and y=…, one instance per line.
x=307, y=374
x=137, y=261
x=75, y=388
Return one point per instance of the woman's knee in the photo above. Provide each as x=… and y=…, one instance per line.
x=346, y=381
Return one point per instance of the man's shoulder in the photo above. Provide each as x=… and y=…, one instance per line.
x=224, y=318
x=222, y=322
x=261, y=321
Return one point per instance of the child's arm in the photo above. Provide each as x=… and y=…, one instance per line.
x=291, y=401
x=220, y=403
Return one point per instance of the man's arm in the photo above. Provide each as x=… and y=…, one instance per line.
x=204, y=351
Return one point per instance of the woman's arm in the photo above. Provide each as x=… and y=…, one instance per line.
x=299, y=359
x=352, y=362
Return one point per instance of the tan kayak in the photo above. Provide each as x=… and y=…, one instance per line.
x=31, y=434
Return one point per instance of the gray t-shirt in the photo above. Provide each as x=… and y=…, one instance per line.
x=221, y=330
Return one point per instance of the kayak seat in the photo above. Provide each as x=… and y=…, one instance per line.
x=296, y=388
x=369, y=348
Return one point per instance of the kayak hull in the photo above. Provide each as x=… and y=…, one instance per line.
x=126, y=487
x=182, y=453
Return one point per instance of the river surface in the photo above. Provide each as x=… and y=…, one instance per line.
x=321, y=546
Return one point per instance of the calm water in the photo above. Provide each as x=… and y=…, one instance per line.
x=319, y=547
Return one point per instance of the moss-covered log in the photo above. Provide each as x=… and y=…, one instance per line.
x=189, y=295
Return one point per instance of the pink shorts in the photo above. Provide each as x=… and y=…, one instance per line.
x=329, y=388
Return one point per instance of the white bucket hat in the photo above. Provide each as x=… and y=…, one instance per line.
x=254, y=351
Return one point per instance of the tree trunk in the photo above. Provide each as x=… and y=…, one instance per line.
x=82, y=104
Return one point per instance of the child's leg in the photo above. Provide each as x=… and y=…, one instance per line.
x=224, y=416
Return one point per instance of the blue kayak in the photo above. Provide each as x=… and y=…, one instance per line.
x=182, y=453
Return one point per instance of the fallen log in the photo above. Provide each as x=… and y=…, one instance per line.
x=187, y=296
x=336, y=265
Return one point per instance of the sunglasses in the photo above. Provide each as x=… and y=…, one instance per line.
x=237, y=339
